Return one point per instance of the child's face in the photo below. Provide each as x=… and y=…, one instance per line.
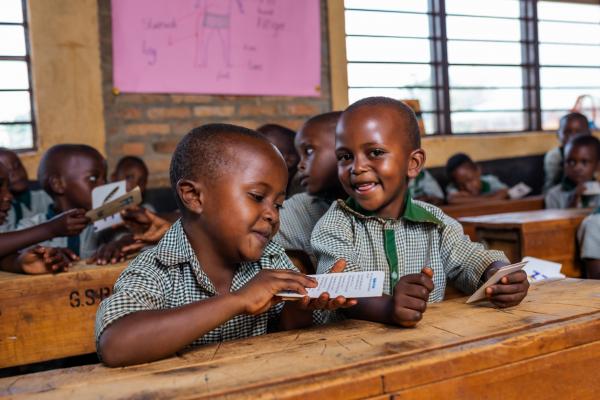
x=133, y=175
x=17, y=173
x=5, y=195
x=375, y=159
x=81, y=174
x=580, y=163
x=317, y=168
x=570, y=128
x=467, y=178
x=241, y=209
x=287, y=150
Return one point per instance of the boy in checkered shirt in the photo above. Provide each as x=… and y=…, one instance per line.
x=380, y=228
x=215, y=273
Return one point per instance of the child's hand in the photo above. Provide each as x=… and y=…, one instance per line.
x=410, y=297
x=43, y=260
x=111, y=253
x=511, y=289
x=260, y=293
x=323, y=302
x=69, y=223
x=148, y=228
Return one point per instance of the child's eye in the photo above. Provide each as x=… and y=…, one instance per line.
x=278, y=206
x=93, y=179
x=376, y=153
x=344, y=157
x=257, y=197
x=308, y=151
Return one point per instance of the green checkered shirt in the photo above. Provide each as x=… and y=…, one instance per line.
x=169, y=275
x=423, y=236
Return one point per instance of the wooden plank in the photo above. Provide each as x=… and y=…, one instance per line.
x=494, y=207
x=46, y=317
x=352, y=359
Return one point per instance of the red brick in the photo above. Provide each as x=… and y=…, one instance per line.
x=147, y=129
x=246, y=123
x=165, y=147
x=143, y=98
x=257, y=110
x=214, y=111
x=130, y=113
x=133, y=148
x=305, y=109
x=158, y=164
x=168, y=112
x=191, y=99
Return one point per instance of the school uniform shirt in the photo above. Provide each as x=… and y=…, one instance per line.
x=24, y=206
x=588, y=236
x=553, y=168
x=297, y=219
x=490, y=184
x=425, y=185
x=84, y=245
x=169, y=275
x=422, y=236
x=560, y=196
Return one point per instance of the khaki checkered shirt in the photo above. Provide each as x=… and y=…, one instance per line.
x=423, y=236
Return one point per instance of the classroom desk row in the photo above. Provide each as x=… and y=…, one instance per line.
x=546, y=347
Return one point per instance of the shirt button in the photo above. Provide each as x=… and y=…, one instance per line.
x=394, y=275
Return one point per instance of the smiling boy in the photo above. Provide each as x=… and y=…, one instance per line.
x=380, y=228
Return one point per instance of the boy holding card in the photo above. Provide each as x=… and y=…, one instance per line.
x=578, y=187
x=380, y=228
x=215, y=274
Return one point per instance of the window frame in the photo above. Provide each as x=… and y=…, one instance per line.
x=530, y=65
x=27, y=59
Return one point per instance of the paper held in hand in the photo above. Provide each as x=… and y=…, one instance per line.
x=502, y=272
x=134, y=197
x=348, y=284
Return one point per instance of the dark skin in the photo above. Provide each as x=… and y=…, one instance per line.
x=569, y=127
x=19, y=181
x=581, y=163
x=372, y=145
x=317, y=169
x=285, y=145
x=221, y=240
x=133, y=174
x=467, y=178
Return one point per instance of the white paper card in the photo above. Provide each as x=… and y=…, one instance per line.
x=592, y=188
x=348, y=284
x=519, y=191
x=509, y=269
x=102, y=195
x=539, y=270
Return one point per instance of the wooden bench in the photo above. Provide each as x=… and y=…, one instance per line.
x=547, y=347
x=495, y=207
x=45, y=317
x=546, y=234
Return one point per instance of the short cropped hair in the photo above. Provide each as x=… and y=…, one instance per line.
x=203, y=152
x=51, y=164
x=565, y=119
x=583, y=140
x=456, y=161
x=403, y=110
x=276, y=129
x=132, y=160
x=326, y=118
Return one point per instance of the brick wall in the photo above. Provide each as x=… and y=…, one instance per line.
x=150, y=125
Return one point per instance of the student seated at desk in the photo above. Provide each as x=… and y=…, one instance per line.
x=215, y=273
x=134, y=172
x=317, y=173
x=570, y=125
x=425, y=188
x=283, y=138
x=380, y=228
x=588, y=236
x=582, y=154
x=467, y=185
x=26, y=203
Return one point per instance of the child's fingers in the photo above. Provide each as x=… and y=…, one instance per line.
x=41, y=250
x=70, y=254
x=413, y=303
x=506, y=289
x=416, y=291
x=290, y=284
x=307, y=281
x=515, y=277
x=427, y=271
x=339, y=266
x=508, y=300
x=418, y=279
x=321, y=301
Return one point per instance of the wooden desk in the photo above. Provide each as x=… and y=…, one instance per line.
x=547, y=347
x=494, y=207
x=45, y=317
x=547, y=234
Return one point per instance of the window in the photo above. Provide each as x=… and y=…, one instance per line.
x=475, y=66
x=16, y=116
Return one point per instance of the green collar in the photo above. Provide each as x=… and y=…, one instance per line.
x=485, y=187
x=567, y=184
x=412, y=211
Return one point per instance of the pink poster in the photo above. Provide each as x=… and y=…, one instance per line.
x=243, y=47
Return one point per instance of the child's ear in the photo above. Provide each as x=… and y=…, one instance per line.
x=57, y=184
x=191, y=195
x=416, y=161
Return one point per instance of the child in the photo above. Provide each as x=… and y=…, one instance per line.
x=582, y=154
x=215, y=273
x=5, y=196
x=283, y=139
x=588, y=237
x=380, y=228
x=26, y=203
x=134, y=172
x=467, y=185
x=317, y=172
x=570, y=124
x=425, y=188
